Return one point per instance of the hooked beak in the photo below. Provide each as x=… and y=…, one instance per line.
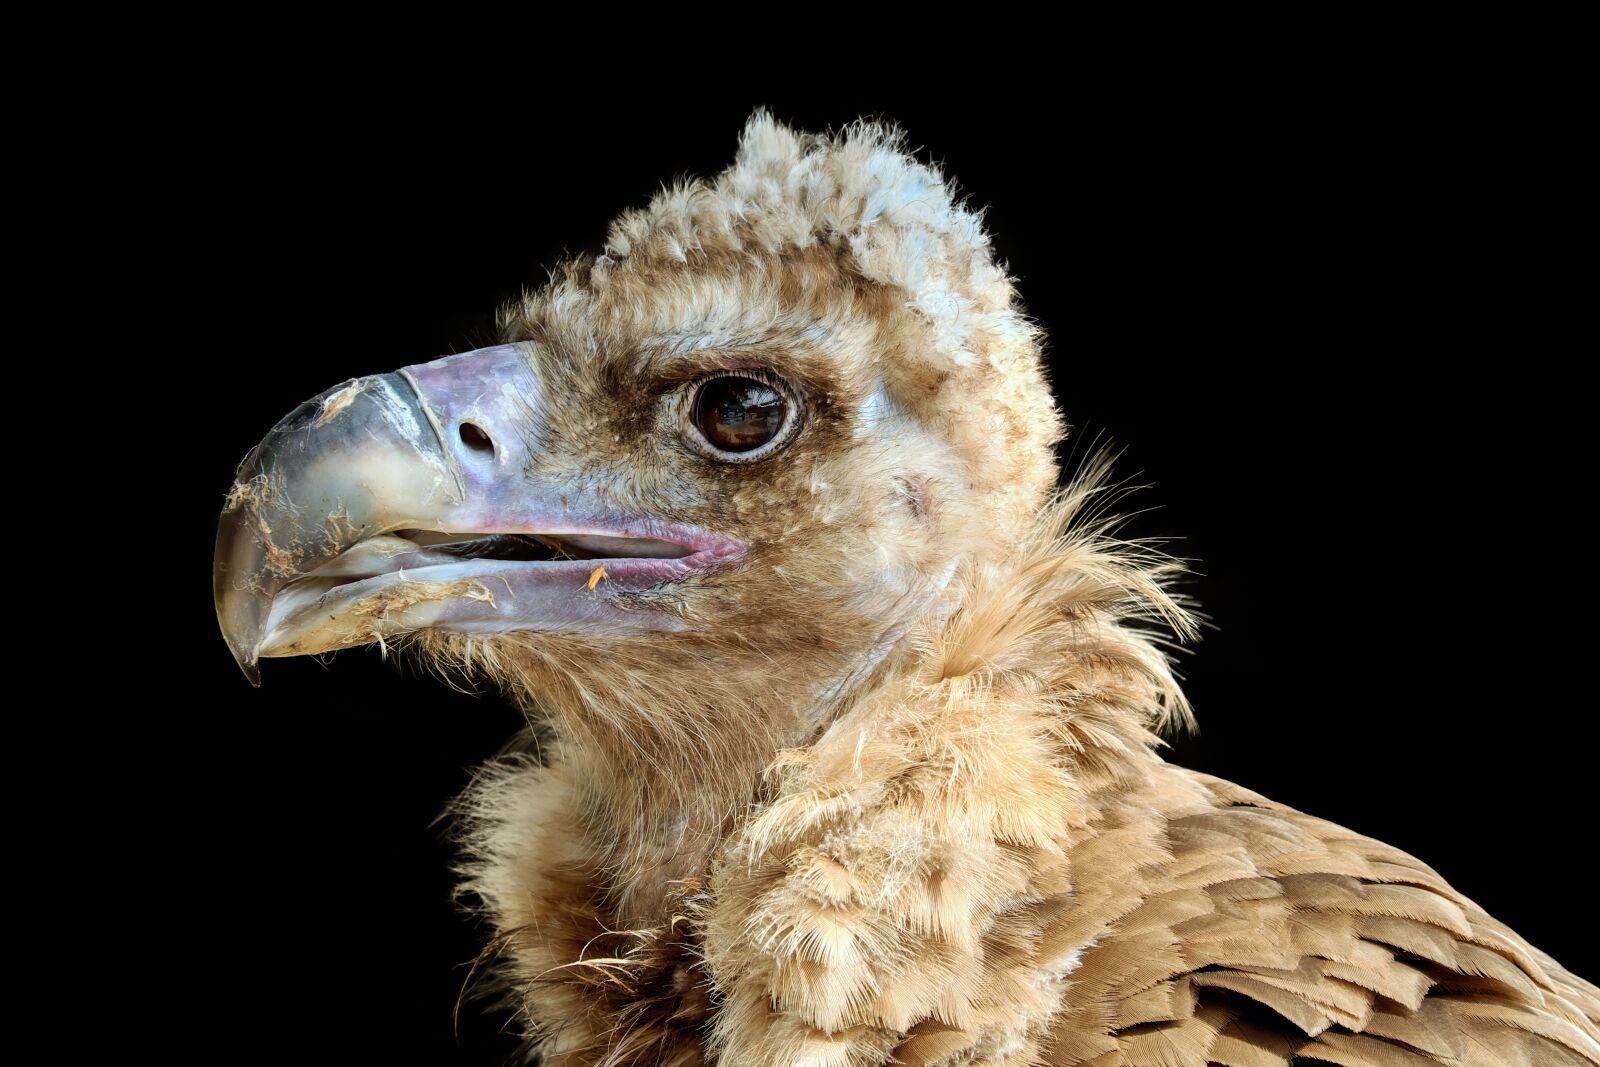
x=402, y=501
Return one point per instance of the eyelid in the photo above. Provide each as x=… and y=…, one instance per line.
x=758, y=371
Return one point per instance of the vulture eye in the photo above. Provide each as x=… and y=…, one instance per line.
x=740, y=416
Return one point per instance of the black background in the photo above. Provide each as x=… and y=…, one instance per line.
x=1277, y=300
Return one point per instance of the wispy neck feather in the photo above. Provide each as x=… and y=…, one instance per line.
x=1075, y=613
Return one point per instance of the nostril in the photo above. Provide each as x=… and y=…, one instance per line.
x=474, y=438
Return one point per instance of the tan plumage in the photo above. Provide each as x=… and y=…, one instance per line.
x=990, y=864
x=895, y=796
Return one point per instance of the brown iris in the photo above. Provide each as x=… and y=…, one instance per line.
x=738, y=414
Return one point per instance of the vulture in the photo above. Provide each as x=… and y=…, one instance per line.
x=845, y=716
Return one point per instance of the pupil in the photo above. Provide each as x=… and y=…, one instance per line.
x=739, y=414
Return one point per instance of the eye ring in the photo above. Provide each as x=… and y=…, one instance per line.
x=747, y=389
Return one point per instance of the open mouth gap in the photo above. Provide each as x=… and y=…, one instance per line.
x=543, y=548
x=525, y=547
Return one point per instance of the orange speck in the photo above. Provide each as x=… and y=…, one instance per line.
x=595, y=576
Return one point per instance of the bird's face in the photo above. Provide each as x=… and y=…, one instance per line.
x=708, y=460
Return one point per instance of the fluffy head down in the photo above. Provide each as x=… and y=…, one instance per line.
x=846, y=259
x=850, y=241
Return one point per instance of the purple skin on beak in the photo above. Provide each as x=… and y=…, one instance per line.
x=333, y=533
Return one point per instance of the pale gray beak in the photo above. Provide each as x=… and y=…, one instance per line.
x=409, y=500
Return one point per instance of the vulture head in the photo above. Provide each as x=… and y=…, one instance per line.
x=712, y=479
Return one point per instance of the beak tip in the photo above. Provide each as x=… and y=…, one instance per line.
x=248, y=663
